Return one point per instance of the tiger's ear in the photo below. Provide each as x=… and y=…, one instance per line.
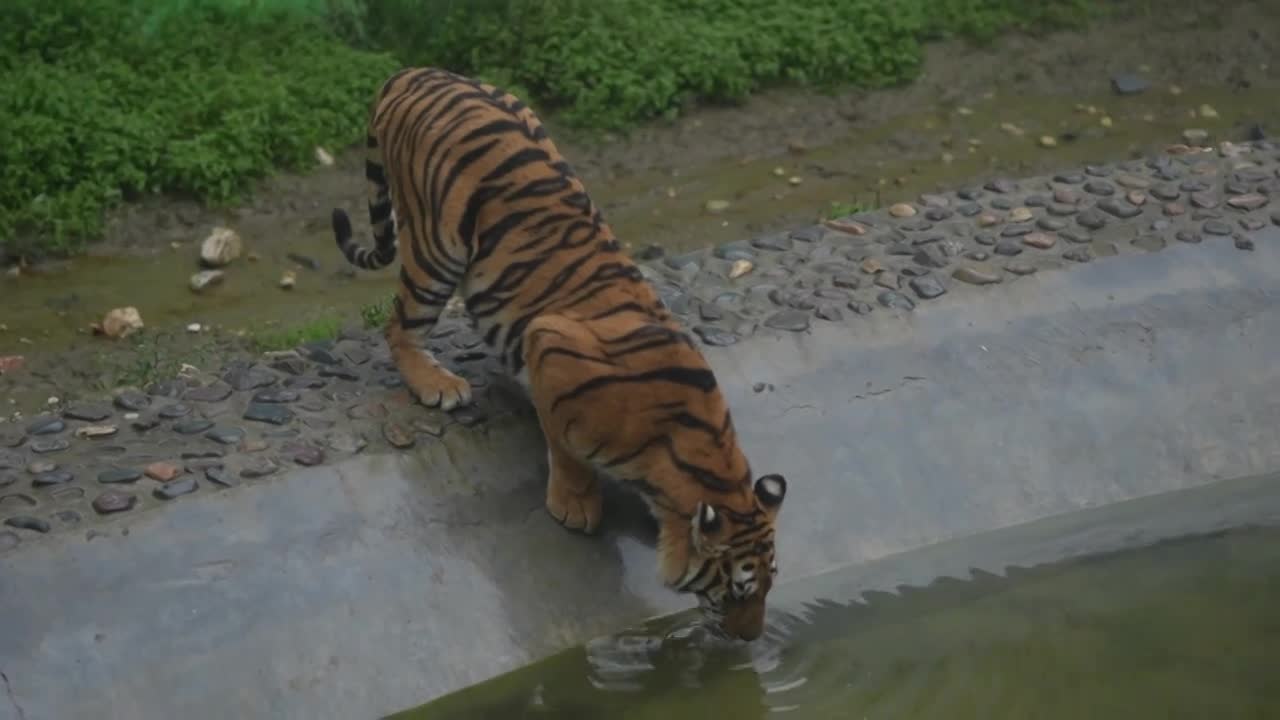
x=771, y=490
x=706, y=525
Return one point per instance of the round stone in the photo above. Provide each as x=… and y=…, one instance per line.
x=1091, y=219
x=1187, y=236
x=1251, y=201
x=258, y=467
x=1078, y=254
x=46, y=425
x=1122, y=209
x=789, y=320
x=975, y=276
x=174, y=411
x=895, y=300
x=272, y=413
x=162, y=471
x=221, y=476
x=225, y=435
x=1051, y=224
x=1020, y=214
x=1039, y=240
x=96, y=431
x=52, y=477
x=27, y=522
x=132, y=401
x=1100, y=187
x=113, y=501
x=88, y=412
x=114, y=476
x=1003, y=186
x=214, y=392
x=195, y=426
x=859, y=307
x=902, y=210
x=829, y=312
x=1008, y=248
x=1216, y=227
x=397, y=436
x=177, y=488
x=43, y=446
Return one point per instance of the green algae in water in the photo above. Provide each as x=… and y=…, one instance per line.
x=1181, y=629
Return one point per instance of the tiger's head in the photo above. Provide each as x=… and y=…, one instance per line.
x=725, y=555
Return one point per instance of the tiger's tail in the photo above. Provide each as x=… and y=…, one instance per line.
x=380, y=217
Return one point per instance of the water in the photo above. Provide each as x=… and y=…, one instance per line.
x=1187, y=628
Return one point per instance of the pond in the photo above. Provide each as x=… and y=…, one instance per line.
x=1180, y=628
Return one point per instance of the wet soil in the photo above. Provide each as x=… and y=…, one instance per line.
x=781, y=159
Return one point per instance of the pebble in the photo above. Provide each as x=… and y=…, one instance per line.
x=1196, y=137
x=791, y=320
x=113, y=501
x=740, y=268
x=1020, y=214
x=1244, y=243
x=221, y=247
x=26, y=522
x=174, y=411
x=1040, y=240
x=1091, y=219
x=1174, y=209
x=131, y=401
x=975, y=276
x=96, y=431
x=1008, y=248
x=46, y=425
x=1020, y=268
x=902, y=210
x=431, y=427
x=195, y=426
x=895, y=300
x=226, y=435
x=988, y=220
x=204, y=280
x=888, y=280
x=177, y=488
x=214, y=392
x=927, y=287
x=716, y=207
x=87, y=412
x=1078, y=254
x=345, y=442
x=52, y=477
x=468, y=416
x=259, y=467
x=1216, y=227
x=1149, y=242
x=115, y=476
x=219, y=475
x=162, y=471
x=397, y=436
x=273, y=413
x=1251, y=201
x=44, y=446
x=714, y=336
x=1136, y=198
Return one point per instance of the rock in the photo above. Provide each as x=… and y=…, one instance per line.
x=162, y=471
x=740, y=268
x=1196, y=137
x=114, y=476
x=888, y=280
x=241, y=378
x=220, y=248
x=931, y=256
x=26, y=522
x=276, y=396
x=895, y=300
x=46, y=425
x=194, y=426
x=288, y=280
x=1250, y=201
x=323, y=157
x=258, y=467
x=345, y=442
x=1204, y=200
x=1216, y=227
x=715, y=207
x=396, y=435
x=1020, y=268
x=1040, y=240
x=791, y=320
x=273, y=413
x=1126, y=83
x=96, y=431
x=987, y=219
x=902, y=210
x=221, y=476
x=43, y=446
x=49, y=478
x=975, y=276
x=174, y=411
x=1078, y=255
x=927, y=287
x=1174, y=209
x=1008, y=248
x=1244, y=243
x=1207, y=111
x=170, y=490
x=119, y=323
x=871, y=266
x=214, y=392
x=1136, y=198
x=1048, y=141
x=11, y=364
x=205, y=279
x=841, y=226
x=1150, y=242
x=113, y=501
x=1020, y=214
x=225, y=435
x=131, y=400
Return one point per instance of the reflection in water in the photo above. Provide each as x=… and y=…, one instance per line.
x=1187, y=628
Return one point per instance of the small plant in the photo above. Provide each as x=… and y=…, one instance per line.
x=843, y=209
x=376, y=314
x=325, y=328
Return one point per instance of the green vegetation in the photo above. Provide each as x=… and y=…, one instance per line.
x=376, y=314
x=106, y=100
x=842, y=209
x=271, y=338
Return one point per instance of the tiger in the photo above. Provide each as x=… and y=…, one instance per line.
x=493, y=212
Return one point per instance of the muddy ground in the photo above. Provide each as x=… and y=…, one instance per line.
x=783, y=158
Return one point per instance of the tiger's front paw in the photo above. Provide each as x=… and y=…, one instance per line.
x=580, y=511
x=441, y=389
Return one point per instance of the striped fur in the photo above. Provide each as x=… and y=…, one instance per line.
x=492, y=211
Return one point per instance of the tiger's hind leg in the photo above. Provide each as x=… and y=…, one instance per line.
x=417, y=310
x=573, y=491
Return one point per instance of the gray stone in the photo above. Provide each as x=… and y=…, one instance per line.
x=1150, y=242
x=790, y=320
x=258, y=467
x=221, y=476
x=860, y=307
x=1069, y=178
x=1126, y=83
x=52, y=477
x=1244, y=243
x=975, y=276
x=27, y=522
x=829, y=312
x=346, y=442
x=113, y=501
x=46, y=425
x=248, y=378
x=1120, y=208
x=276, y=396
x=195, y=426
x=1100, y=187
x=1078, y=254
x=88, y=412
x=273, y=413
x=1002, y=185
x=290, y=365
x=115, y=476
x=1073, y=235
x=184, y=485
x=214, y=392
x=1017, y=230
x=1020, y=268
x=132, y=401
x=927, y=287
x=1008, y=248
x=895, y=300
x=175, y=411
x=1188, y=236
x=1091, y=219
x=43, y=446
x=225, y=435
x=1216, y=227
x=931, y=257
